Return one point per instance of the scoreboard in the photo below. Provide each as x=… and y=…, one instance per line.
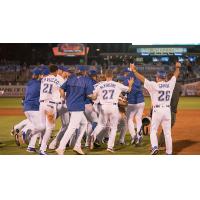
x=161, y=51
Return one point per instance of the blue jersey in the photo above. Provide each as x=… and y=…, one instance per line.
x=32, y=95
x=135, y=96
x=77, y=88
x=93, y=82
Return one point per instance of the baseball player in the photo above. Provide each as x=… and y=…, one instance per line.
x=31, y=108
x=49, y=100
x=173, y=105
x=161, y=94
x=90, y=112
x=135, y=108
x=62, y=76
x=122, y=125
x=25, y=126
x=77, y=88
x=108, y=93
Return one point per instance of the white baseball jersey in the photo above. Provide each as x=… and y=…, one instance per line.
x=108, y=91
x=49, y=90
x=161, y=92
x=96, y=101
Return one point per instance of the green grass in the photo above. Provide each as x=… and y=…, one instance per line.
x=8, y=146
x=184, y=103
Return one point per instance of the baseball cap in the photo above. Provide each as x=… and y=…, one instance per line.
x=46, y=71
x=161, y=74
x=81, y=68
x=65, y=69
x=125, y=70
x=60, y=67
x=92, y=72
x=36, y=71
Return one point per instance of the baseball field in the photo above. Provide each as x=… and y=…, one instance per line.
x=185, y=134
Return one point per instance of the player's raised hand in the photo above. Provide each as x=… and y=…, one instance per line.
x=132, y=67
x=178, y=64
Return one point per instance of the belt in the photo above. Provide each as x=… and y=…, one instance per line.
x=109, y=104
x=51, y=102
x=160, y=106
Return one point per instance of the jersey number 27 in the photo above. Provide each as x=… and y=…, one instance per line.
x=164, y=95
x=108, y=94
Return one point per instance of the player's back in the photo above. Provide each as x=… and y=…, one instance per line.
x=32, y=95
x=77, y=88
x=50, y=89
x=109, y=92
x=161, y=92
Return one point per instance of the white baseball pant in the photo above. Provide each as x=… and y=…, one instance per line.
x=135, y=111
x=109, y=113
x=21, y=124
x=64, y=116
x=77, y=120
x=92, y=118
x=37, y=126
x=47, y=109
x=122, y=127
x=161, y=116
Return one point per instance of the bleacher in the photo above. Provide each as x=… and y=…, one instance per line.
x=16, y=74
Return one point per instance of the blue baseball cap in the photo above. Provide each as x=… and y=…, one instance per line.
x=81, y=68
x=125, y=70
x=36, y=71
x=46, y=71
x=92, y=72
x=60, y=67
x=65, y=69
x=161, y=74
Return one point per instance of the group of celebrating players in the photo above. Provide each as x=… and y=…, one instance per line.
x=92, y=108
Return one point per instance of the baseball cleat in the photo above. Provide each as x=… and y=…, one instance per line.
x=60, y=151
x=105, y=140
x=154, y=150
x=52, y=144
x=110, y=150
x=31, y=150
x=24, y=137
x=78, y=151
x=97, y=144
x=138, y=140
x=133, y=140
x=27, y=136
x=17, y=140
x=14, y=131
x=42, y=153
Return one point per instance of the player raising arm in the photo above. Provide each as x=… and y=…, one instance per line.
x=161, y=93
x=142, y=78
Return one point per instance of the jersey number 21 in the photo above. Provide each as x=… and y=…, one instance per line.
x=47, y=88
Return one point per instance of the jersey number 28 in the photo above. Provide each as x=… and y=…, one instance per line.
x=47, y=88
x=164, y=95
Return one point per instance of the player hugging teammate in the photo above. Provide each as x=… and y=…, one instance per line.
x=92, y=110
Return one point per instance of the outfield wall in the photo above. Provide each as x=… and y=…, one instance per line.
x=191, y=89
